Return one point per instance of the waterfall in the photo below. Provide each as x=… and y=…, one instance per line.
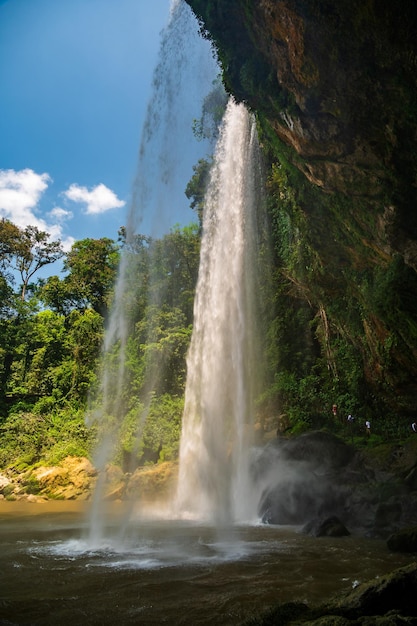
x=214, y=475
x=184, y=75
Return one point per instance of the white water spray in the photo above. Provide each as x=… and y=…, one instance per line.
x=214, y=477
x=183, y=76
x=168, y=150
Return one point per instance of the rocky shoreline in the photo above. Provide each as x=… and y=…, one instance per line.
x=75, y=478
x=316, y=481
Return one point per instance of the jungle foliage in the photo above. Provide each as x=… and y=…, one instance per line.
x=51, y=338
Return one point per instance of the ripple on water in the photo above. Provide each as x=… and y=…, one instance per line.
x=51, y=573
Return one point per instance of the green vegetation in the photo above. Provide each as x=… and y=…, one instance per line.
x=342, y=327
x=315, y=353
x=51, y=337
x=335, y=100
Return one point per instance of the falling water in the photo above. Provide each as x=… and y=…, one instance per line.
x=214, y=478
x=183, y=76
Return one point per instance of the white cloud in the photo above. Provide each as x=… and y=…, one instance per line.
x=98, y=200
x=60, y=214
x=67, y=243
x=20, y=193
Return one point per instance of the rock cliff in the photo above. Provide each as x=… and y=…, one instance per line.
x=333, y=85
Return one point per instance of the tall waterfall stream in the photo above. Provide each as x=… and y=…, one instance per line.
x=214, y=467
x=214, y=477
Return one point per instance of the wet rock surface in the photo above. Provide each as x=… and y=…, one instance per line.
x=315, y=477
x=385, y=601
x=328, y=527
x=404, y=540
x=75, y=478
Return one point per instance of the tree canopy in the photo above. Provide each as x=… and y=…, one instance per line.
x=52, y=330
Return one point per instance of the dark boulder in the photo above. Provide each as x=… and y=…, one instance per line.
x=328, y=527
x=298, y=478
x=403, y=541
x=319, y=448
x=318, y=476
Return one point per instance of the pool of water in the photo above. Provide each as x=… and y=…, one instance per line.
x=159, y=571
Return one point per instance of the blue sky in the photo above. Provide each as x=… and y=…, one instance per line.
x=76, y=80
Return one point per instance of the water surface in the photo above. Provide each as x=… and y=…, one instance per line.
x=166, y=572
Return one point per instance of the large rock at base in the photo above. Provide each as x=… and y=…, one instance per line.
x=298, y=478
x=392, y=592
x=329, y=527
x=403, y=541
x=317, y=476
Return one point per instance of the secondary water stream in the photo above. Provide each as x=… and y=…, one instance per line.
x=182, y=79
x=165, y=571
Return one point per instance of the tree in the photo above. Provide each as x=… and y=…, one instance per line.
x=214, y=106
x=162, y=340
x=176, y=260
x=85, y=335
x=46, y=349
x=16, y=341
x=92, y=266
x=197, y=187
x=10, y=242
x=50, y=358
x=33, y=251
x=54, y=293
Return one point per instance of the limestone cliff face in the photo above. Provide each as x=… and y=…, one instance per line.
x=334, y=85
